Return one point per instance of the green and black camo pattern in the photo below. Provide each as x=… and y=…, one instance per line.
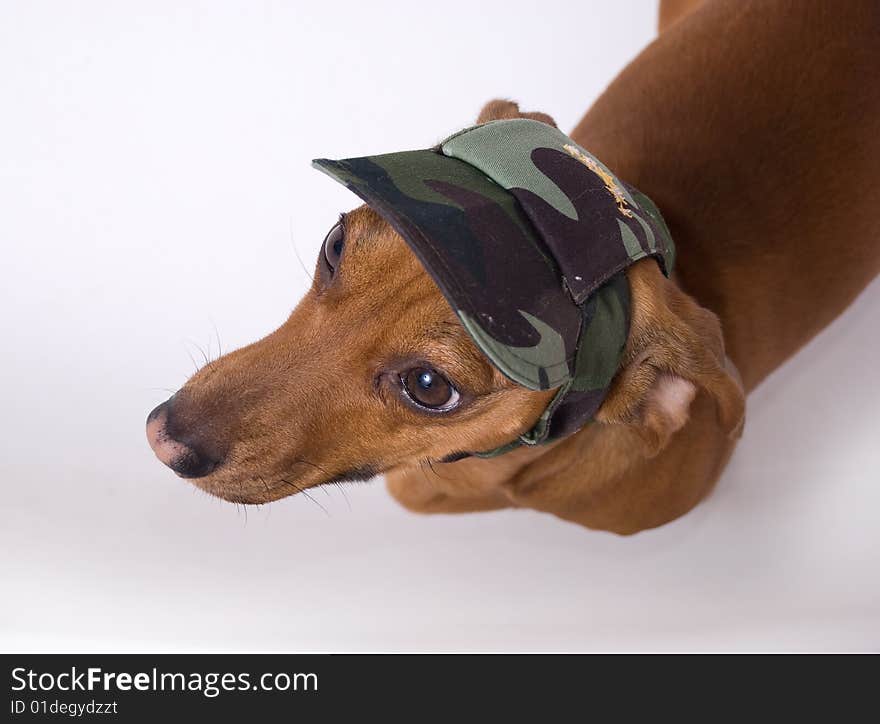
x=594, y=225
x=527, y=236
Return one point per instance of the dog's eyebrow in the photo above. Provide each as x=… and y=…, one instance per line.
x=453, y=350
x=446, y=331
x=363, y=222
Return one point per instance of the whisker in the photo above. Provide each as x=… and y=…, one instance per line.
x=326, y=472
x=268, y=508
x=344, y=494
x=241, y=495
x=433, y=469
x=204, y=354
x=296, y=253
x=219, y=343
x=422, y=468
x=313, y=465
x=201, y=351
x=192, y=359
x=304, y=492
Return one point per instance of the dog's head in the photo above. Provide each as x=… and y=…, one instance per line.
x=373, y=371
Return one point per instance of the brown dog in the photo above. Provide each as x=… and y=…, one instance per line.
x=755, y=127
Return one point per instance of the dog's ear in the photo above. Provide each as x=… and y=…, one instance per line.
x=675, y=349
x=498, y=110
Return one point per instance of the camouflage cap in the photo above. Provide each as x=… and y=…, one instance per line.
x=527, y=235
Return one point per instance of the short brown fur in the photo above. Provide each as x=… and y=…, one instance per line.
x=755, y=127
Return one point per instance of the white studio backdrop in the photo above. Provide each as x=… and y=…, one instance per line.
x=155, y=184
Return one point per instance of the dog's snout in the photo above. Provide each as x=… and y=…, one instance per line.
x=184, y=454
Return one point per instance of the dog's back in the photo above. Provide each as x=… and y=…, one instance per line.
x=756, y=127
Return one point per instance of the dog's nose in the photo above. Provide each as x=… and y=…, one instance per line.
x=185, y=457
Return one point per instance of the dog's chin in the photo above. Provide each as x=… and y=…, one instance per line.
x=245, y=489
x=250, y=489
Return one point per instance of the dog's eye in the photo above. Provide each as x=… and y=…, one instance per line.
x=333, y=244
x=428, y=388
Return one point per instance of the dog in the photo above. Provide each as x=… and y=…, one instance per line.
x=754, y=127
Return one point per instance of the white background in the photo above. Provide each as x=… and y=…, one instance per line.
x=154, y=179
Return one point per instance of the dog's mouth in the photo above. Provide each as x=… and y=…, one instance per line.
x=251, y=490
x=256, y=489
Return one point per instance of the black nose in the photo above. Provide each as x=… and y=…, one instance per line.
x=178, y=446
x=193, y=464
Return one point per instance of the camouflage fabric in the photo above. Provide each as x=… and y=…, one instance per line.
x=527, y=236
x=594, y=225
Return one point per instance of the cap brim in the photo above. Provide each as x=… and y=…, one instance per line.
x=483, y=253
